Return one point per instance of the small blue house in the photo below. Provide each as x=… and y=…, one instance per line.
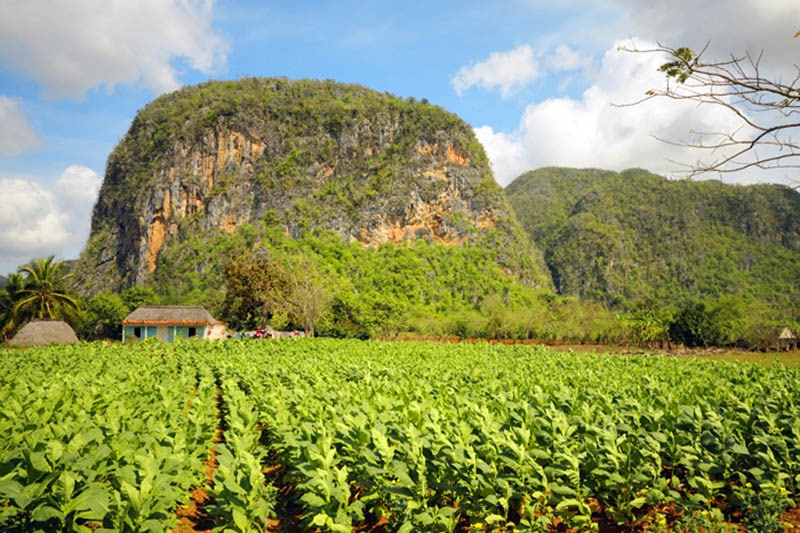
x=170, y=322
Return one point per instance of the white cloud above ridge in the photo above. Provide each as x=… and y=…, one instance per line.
x=507, y=71
x=594, y=131
x=619, y=138
x=78, y=186
x=16, y=134
x=72, y=47
x=36, y=221
x=30, y=222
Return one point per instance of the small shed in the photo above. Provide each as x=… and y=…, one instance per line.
x=786, y=339
x=43, y=332
x=169, y=322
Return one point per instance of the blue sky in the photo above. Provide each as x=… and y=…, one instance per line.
x=536, y=80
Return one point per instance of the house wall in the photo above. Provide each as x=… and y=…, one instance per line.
x=217, y=331
x=163, y=332
x=134, y=332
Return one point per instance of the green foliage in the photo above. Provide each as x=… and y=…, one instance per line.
x=10, y=294
x=681, y=68
x=103, y=314
x=43, y=294
x=332, y=156
x=696, y=325
x=426, y=436
x=98, y=436
x=39, y=290
x=106, y=311
x=648, y=325
x=257, y=287
x=635, y=239
x=762, y=508
x=412, y=436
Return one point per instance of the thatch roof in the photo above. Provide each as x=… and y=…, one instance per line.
x=41, y=332
x=170, y=315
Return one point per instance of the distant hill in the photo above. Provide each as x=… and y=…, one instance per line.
x=626, y=238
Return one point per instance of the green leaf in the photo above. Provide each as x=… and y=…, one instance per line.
x=92, y=503
x=407, y=527
x=44, y=512
x=14, y=491
x=561, y=490
x=38, y=462
x=569, y=503
x=321, y=520
x=740, y=449
x=637, y=503
x=54, y=451
x=240, y=519
x=405, y=492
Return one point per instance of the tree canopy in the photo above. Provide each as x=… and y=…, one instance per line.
x=37, y=291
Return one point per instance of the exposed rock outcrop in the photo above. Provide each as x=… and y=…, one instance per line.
x=306, y=155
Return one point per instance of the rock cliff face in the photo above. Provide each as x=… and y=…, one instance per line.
x=302, y=155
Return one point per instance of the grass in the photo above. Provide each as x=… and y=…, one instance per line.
x=762, y=358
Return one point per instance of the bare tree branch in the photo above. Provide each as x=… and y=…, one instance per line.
x=764, y=107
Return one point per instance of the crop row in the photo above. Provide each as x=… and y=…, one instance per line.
x=100, y=437
x=427, y=437
x=405, y=436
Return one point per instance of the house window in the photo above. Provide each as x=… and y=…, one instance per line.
x=192, y=332
x=137, y=332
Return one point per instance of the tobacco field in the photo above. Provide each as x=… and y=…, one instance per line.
x=345, y=435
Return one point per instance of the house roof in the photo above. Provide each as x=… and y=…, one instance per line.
x=169, y=315
x=41, y=332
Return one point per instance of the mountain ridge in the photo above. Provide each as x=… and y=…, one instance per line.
x=301, y=155
x=388, y=206
x=626, y=237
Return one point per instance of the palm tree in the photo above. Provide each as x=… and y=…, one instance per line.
x=43, y=295
x=9, y=295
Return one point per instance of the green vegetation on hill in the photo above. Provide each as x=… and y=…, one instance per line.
x=303, y=155
x=347, y=212
x=638, y=241
x=422, y=288
x=383, y=207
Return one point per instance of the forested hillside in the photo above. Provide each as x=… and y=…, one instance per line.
x=384, y=209
x=347, y=212
x=634, y=239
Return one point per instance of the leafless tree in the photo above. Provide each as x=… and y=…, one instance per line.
x=310, y=302
x=765, y=109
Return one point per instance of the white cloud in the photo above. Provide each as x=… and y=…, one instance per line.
x=506, y=152
x=71, y=47
x=36, y=221
x=507, y=70
x=16, y=134
x=725, y=27
x=78, y=186
x=31, y=225
x=585, y=130
x=593, y=132
x=565, y=58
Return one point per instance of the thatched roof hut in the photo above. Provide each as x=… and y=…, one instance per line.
x=42, y=332
x=786, y=339
x=169, y=315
